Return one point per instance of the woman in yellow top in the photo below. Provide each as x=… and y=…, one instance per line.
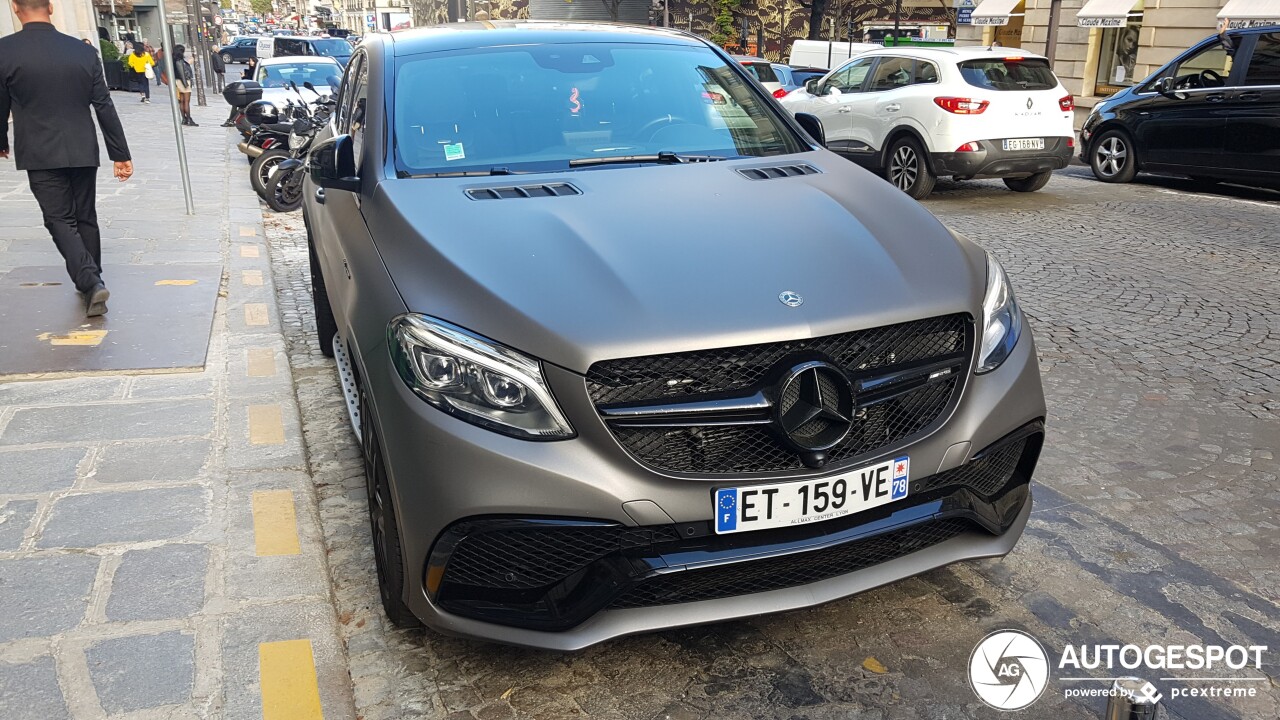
x=139, y=62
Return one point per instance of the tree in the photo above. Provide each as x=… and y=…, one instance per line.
x=612, y=6
x=817, y=10
x=260, y=7
x=722, y=30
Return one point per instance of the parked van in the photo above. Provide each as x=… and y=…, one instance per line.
x=289, y=45
x=825, y=54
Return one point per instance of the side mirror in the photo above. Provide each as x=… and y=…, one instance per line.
x=811, y=85
x=813, y=126
x=333, y=164
x=307, y=84
x=1164, y=86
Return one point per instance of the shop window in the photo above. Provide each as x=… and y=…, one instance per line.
x=1118, y=57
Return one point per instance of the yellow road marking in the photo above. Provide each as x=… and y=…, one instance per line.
x=255, y=314
x=251, y=277
x=262, y=362
x=266, y=427
x=248, y=231
x=275, y=525
x=287, y=675
x=249, y=251
x=176, y=282
x=88, y=338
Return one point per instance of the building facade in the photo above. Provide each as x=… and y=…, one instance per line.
x=1099, y=47
x=73, y=17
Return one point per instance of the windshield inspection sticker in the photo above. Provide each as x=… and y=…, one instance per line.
x=454, y=152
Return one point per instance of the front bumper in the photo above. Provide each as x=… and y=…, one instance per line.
x=452, y=480
x=992, y=161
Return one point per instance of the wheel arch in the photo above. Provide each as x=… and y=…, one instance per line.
x=896, y=134
x=1116, y=125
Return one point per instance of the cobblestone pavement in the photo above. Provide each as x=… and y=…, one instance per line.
x=1158, y=322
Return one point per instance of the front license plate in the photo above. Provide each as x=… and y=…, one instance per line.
x=1024, y=144
x=760, y=507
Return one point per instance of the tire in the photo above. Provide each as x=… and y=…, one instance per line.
x=326, y=324
x=227, y=59
x=1112, y=157
x=908, y=169
x=1031, y=183
x=260, y=170
x=383, y=529
x=283, y=192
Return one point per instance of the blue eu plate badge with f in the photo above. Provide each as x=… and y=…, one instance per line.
x=726, y=510
x=900, y=470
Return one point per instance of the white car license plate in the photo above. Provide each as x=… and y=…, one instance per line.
x=760, y=507
x=1024, y=144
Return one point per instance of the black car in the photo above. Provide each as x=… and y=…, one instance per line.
x=1213, y=113
x=239, y=50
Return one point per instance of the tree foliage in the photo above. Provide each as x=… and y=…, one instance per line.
x=722, y=32
x=260, y=7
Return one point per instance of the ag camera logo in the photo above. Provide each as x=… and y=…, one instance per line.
x=1008, y=670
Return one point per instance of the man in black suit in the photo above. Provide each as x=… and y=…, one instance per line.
x=49, y=81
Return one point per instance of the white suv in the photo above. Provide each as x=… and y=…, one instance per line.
x=913, y=114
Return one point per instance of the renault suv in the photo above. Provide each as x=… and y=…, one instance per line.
x=601, y=387
x=914, y=114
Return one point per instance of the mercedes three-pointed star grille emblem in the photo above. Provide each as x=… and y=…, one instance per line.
x=815, y=407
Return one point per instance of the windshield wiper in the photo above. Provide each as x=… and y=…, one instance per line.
x=665, y=157
x=460, y=173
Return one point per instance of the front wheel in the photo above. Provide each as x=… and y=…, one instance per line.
x=908, y=169
x=1112, y=158
x=1031, y=183
x=261, y=169
x=284, y=191
x=387, y=552
x=227, y=59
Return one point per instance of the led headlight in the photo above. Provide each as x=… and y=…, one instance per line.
x=1001, y=319
x=475, y=379
x=296, y=140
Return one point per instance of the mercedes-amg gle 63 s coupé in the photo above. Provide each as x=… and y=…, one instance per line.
x=604, y=383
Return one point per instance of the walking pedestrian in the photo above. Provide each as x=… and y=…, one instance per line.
x=219, y=69
x=142, y=65
x=184, y=79
x=50, y=81
x=159, y=56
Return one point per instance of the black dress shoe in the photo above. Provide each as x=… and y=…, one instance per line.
x=96, y=300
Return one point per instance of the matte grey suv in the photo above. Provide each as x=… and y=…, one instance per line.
x=602, y=386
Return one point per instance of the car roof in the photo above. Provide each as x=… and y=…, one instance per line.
x=458, y=36
x=973, y=52
x=298, y=60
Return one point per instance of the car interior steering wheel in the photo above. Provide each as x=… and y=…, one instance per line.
x=651, y=128
x=1210, y=78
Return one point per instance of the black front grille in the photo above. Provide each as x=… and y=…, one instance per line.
x=787, y=571
x=733, y=449
x=985, y=475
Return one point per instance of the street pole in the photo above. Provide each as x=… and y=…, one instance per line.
x=897, y=15
x=197, y=49
x=166, y=40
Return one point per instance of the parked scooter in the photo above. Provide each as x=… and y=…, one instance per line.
x=283, y=191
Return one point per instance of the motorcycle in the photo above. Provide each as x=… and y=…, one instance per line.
x=283, y=191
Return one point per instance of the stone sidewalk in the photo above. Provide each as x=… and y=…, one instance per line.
x=160, y=552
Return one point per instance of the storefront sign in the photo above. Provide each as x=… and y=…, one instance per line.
x=964, y=11
x=991, y=20
x=1102, y=22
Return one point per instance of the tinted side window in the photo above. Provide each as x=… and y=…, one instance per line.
x=1208, y=68
x=892, y=73
x=926, y=72
x=355, y=116
x=1264, y=68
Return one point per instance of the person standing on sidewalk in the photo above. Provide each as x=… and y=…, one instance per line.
x=50, y=81
x=182, y=83
x=142, y=65
x=219, y=70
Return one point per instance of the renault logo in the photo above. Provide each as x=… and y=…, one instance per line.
x=790, y=298
x=814, y=408
x=1029, y=103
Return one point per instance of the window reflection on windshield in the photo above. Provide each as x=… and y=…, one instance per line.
x=537, y=107
x=320, y=74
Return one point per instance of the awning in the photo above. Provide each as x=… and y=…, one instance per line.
x=994, y=12
x=1249, y=13
x=1106, y=13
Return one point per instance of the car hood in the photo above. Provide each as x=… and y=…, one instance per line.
x=660, y=259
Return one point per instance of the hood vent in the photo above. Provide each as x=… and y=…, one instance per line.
x=777, y=171
x=523, y=191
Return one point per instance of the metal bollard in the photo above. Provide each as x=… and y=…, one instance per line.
x=1132, y=699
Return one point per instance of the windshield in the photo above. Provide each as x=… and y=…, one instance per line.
x=537, y=107
x=321, y=74
x=332, y=47
x=1009, y=74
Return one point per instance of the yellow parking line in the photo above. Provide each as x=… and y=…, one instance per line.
x=287, y=674
x=255, y=314
x=261, y=362
x=249, y=251
x=90, y=338
x=251, y=277
x=266, y=425
x=275, y=524
x=179, y=283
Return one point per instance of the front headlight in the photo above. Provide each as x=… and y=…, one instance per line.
x=295, y=141
x=1001, y=319
x=475, y=379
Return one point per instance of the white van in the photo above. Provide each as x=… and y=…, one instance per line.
x=825, y=54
